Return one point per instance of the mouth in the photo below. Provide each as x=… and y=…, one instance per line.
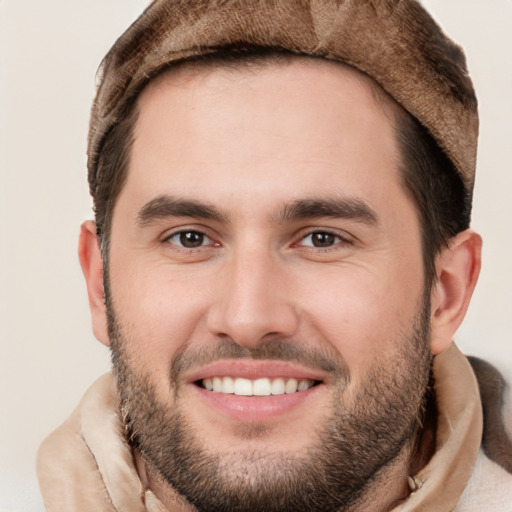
x=256, y=391
x=264, y=386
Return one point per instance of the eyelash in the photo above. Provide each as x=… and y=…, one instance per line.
x=337, y=240
x=185, y=232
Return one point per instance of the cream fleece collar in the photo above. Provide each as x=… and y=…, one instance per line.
x=87, y=465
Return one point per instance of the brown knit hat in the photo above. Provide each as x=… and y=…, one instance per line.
x=396, y=42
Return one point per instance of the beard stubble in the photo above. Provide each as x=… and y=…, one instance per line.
x=357, y=441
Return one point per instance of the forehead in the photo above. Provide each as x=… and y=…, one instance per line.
x=278, y=131
x=277, y=68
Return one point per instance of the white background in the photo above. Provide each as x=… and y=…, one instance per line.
x=49, y=52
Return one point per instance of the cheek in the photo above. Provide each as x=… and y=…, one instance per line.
x=158, y=313
x=361, y=314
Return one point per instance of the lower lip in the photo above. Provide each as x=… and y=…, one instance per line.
x=254, y=409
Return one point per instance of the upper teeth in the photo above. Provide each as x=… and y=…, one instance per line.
x=258, y=387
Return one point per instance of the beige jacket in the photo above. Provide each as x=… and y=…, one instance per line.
x=86, y=465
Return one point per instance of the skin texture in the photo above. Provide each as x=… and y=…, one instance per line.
x=254, y=161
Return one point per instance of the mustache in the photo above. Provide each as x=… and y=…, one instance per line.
x=327, y=361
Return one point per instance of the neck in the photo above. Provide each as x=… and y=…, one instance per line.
x=171, y=500
x=389, y=486
x=392, y=485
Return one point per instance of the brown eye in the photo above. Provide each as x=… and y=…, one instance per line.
x=189, y=239
x=321, y=240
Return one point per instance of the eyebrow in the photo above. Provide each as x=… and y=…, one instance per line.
x=168, y=206
x=336, y=208
x=345, y=208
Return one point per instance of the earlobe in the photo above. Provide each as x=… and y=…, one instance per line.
x=89, y=254
x=457, y=269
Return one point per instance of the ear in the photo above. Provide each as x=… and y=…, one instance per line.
x=457, y=270
x=89, y=254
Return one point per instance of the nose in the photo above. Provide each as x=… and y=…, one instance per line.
x=252, y=301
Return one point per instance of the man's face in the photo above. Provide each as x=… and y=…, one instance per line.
x=263, y=245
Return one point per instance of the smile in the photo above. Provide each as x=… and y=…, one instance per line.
x=251, y=391
x=257, y=387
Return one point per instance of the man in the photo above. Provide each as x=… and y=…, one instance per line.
x=280, y=259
